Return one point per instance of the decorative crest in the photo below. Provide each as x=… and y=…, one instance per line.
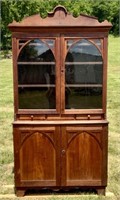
x=60, y=18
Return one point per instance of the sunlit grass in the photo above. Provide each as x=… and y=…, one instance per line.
x=114, y=114
x=6, y=118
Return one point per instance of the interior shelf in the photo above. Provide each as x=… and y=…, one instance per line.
x=36, y=63
x=35, y=85
x=84, y=63
x=83, y=85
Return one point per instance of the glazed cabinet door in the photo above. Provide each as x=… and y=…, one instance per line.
x=84, y=155
x=36, y=156
x=82, y=80
x=37, y=75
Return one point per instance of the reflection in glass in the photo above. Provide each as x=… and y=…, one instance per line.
x=83, y=51
x=37, y=98
x=69, y=43
x=97, y=42
x=22, y=42
x=51, y=43
x=83, y=97
x=36, y=76
x=83, y=76
x=36, y=50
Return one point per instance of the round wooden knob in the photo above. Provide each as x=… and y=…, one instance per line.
x=88, y=116
x=31, y=117
x=63, y=151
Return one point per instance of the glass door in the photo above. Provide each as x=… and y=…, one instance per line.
x=37, y=74
x=57, y=75
x=83, y=79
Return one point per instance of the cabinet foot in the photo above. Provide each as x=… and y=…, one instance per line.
x=20, y=192
x=101, y=191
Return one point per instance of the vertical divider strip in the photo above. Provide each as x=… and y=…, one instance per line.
x=57, y=53
x=62, y=75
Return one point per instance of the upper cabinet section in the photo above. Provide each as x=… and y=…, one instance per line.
x=60, y=64
x=57, y=19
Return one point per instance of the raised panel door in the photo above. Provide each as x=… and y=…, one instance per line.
x=83, y=154
x=36, y=156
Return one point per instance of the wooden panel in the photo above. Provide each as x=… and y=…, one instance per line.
x=87, y=117
x=36, y=155
x=83, y=156
x=83, y=183
x=36, y=161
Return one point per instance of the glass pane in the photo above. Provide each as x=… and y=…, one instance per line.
x=83, y=51
x=22, y=42
x=36, y=50
x=69, y=43
x=83, y=97
x=97, y=42
x=50, y=42
x=37, y=98
x=36, y=74
x=84, y=74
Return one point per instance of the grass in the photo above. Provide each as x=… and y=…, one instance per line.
x=6, y=119
x=114, y=115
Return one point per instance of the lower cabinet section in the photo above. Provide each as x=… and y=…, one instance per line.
x=60, y=156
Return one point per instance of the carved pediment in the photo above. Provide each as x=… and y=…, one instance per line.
x=60, y=18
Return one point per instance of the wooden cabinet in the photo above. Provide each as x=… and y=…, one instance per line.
x=60, y=80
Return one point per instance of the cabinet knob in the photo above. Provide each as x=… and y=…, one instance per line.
x=63, y=151
x=31, y=117
x=88, y=116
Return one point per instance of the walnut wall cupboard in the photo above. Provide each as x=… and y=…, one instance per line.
x=60, y=79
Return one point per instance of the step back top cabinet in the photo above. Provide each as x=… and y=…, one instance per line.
x=60, y=84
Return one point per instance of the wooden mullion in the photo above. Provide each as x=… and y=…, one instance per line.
x=58, y=77
x=63, y=55
x=15, y=75
x=105, y=50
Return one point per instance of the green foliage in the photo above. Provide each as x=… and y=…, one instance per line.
x=18, y=9
x=108, y=10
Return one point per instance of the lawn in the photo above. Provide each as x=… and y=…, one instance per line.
x=6, y=119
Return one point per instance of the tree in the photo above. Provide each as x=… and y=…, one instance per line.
x=18, y=9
